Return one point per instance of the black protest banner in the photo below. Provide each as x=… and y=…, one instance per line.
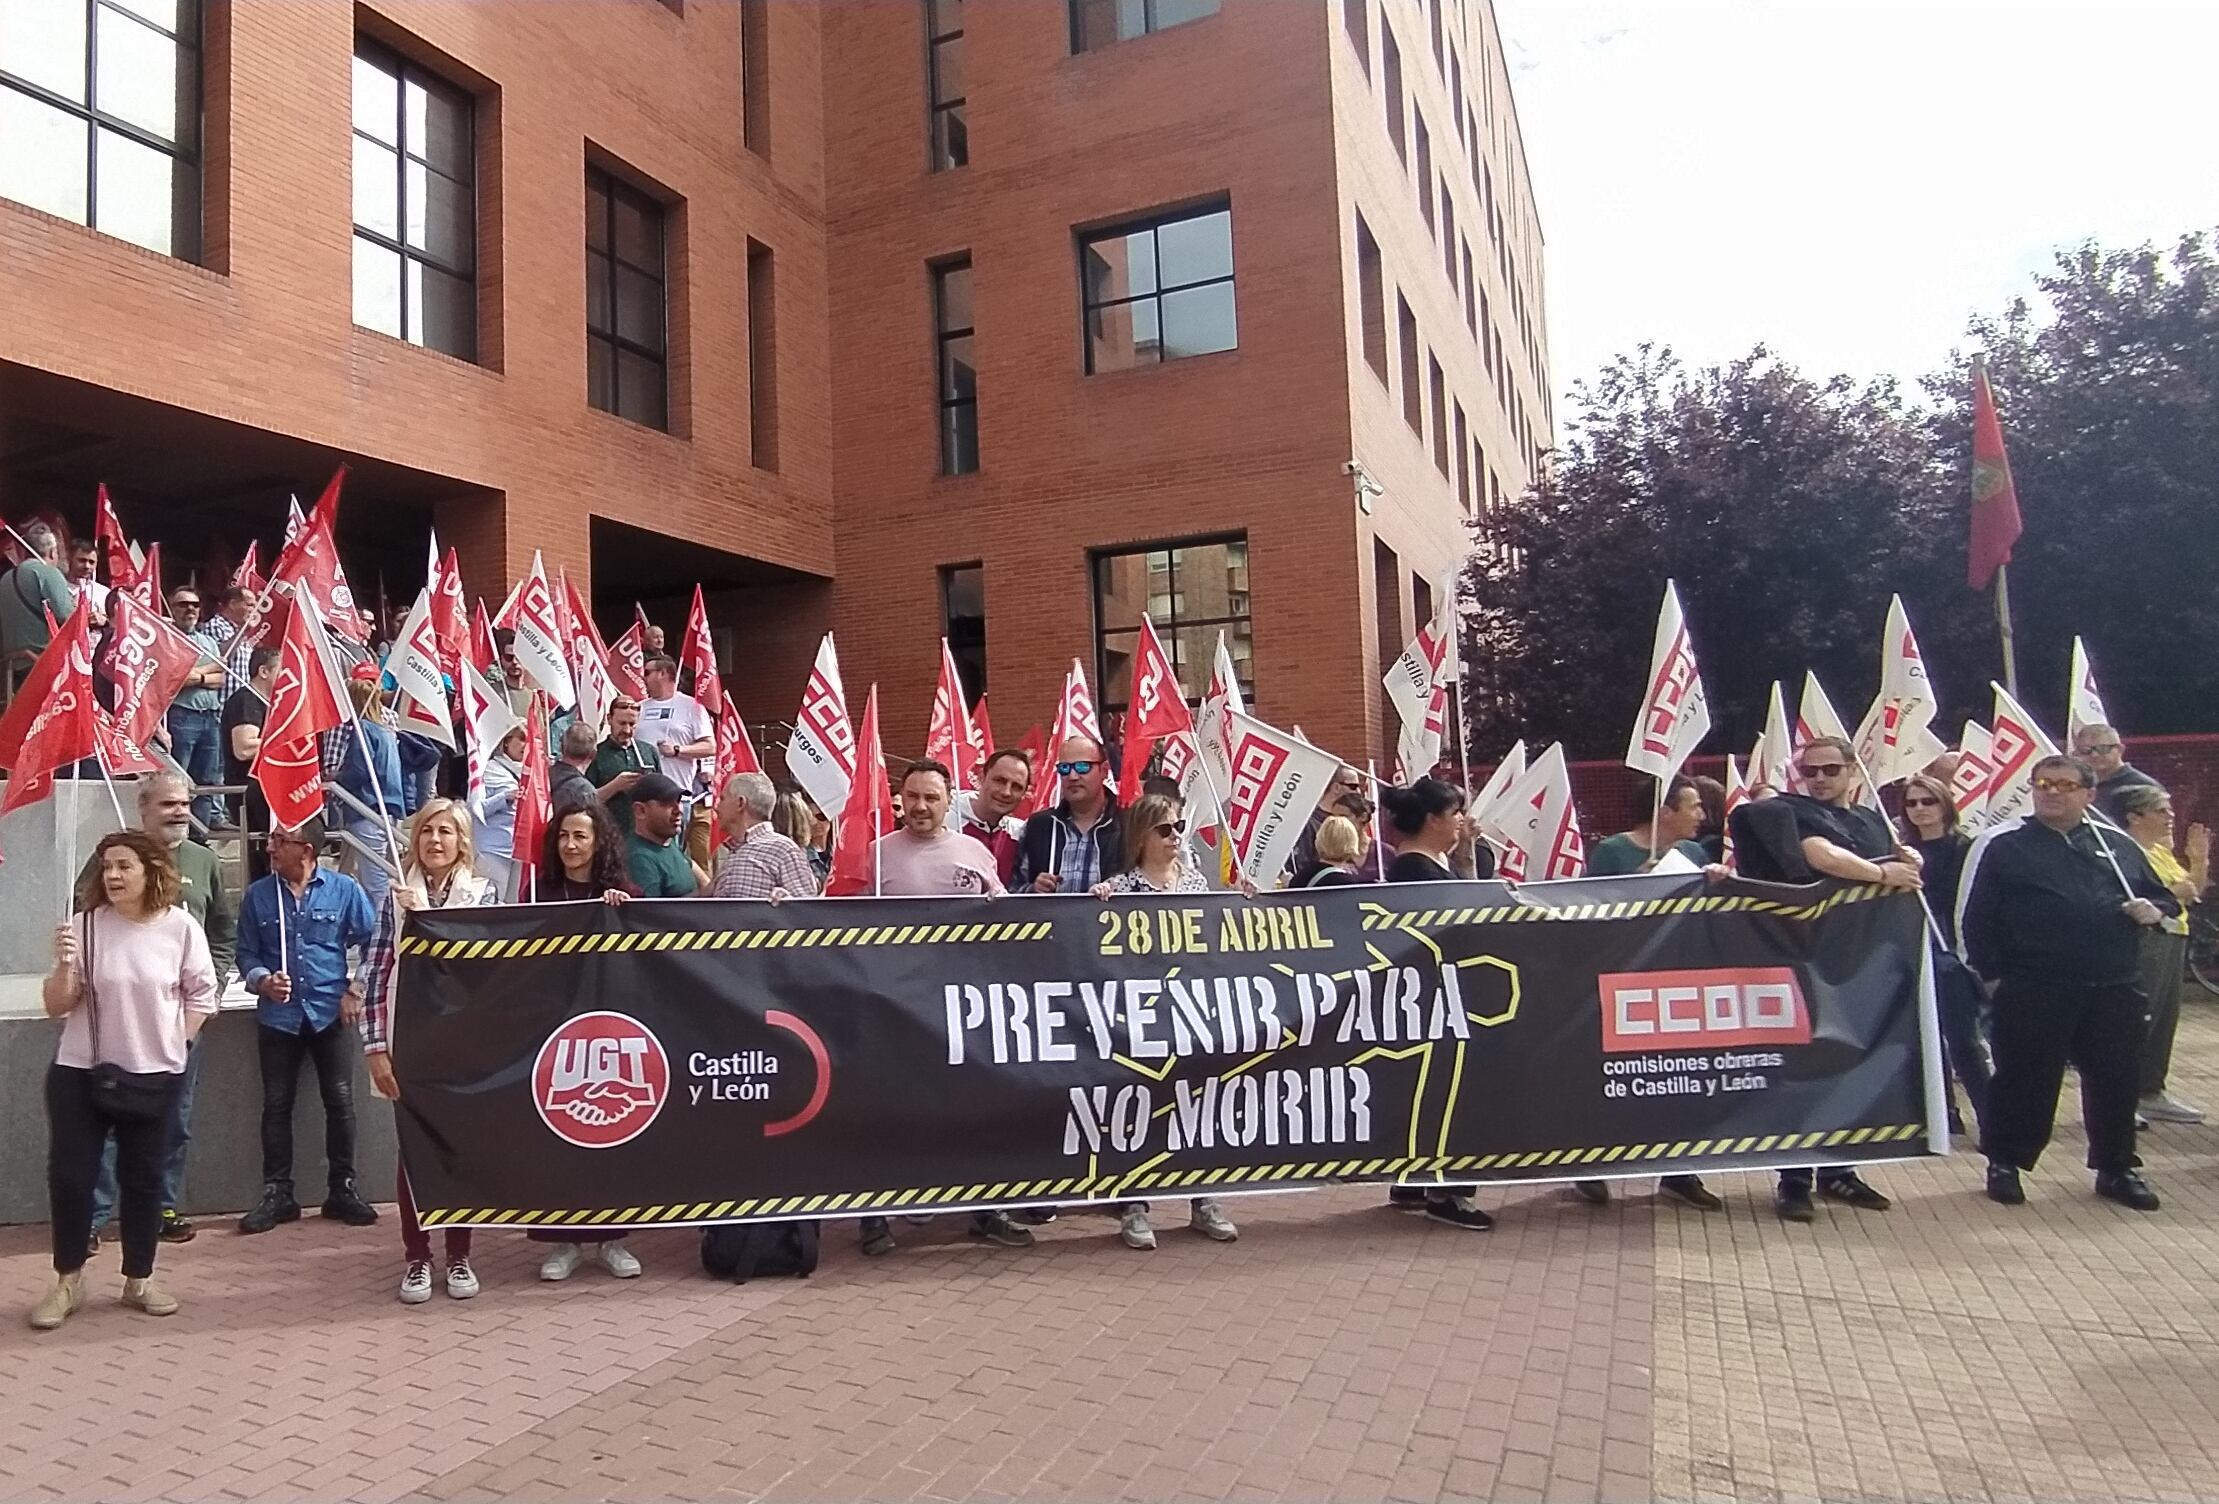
x=666, y=1062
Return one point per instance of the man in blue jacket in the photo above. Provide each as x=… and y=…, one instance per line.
x=295, y=929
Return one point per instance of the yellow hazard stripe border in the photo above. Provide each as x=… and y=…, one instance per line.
x=843, y=936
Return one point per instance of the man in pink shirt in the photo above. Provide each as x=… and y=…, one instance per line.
x=925, y=859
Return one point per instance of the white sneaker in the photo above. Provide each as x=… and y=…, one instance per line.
x=2161, y=1108
x=563, y=1262
x=1210, y=1220
x=1132, y=1226
x=416, y=1283
x=621, y=1261
x=462, y=1281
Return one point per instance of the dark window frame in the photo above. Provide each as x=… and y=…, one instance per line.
x=614, y=189
x=1154, y=224
x=403, y=71
x=1173, y=621
x=1149, y=26
x=970, y=655
x=947, y=122
x=189, y=39
x=951, y=401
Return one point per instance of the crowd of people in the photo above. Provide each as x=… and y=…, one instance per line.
x=2057, y=939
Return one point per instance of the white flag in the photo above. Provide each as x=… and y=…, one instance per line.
x=420, y=694
x=1536, y=826
x=1817, y=717
x=1271, y=782
x=1896, y=738
x=1968, y=784
x=2015, y=745
x=1223, y=700
x=1507, y=772
x=1772, y=759
x=821, y=755
x=1737, y=794
x=2085, y=708
x=1418, y=685
x=487, y=720
x=1675, y=713
x=529, y=612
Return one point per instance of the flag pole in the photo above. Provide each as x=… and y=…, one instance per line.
x=1378, y=851
x=2003, y=624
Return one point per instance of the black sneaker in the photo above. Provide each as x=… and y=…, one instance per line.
x=1794, y=1204
x=1851, y=1191
x=277, y=1205
x=1458, y=1211
x=1593, y=1192
x=2003, y=1186
x=345, y=1204
x=2129, y=1189
x=996, y=1227
x=1690, y=1190
x=878, y=1238
x=175, y=1229
x=1406, y=1198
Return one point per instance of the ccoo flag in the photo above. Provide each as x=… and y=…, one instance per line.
x=2084, y=707
x=1675, y=716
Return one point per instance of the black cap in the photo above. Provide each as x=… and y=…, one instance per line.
x=654, y=788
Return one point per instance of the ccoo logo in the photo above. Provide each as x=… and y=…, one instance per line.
x=600, y=1080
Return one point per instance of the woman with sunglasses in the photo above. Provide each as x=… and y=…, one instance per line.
x=1930, y=827
x=1155, y=849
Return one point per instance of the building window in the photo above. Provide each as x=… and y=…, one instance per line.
x=1386, y=587
x=1192, y=591
x=1159, y=290
x=963, y=621
x=1463, y=459
x=1438, y=385
x=415, y=205
x=1433, y=19
x=1425, y=169
x=1356, y=16
x=626, y=349
x=951, y=137
x=1098, y=23
x=1413, y=400
x=1448, y=234
x=100, y=116
x=1390, y=77
x=959, y=381
x=1471, y=292
x=755, y=76
x=1421, y=600
x=762, y=355
x=1371, y=292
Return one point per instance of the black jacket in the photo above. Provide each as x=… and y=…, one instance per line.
x=2043, y=906
x=1944, y=869
x=1047, y=833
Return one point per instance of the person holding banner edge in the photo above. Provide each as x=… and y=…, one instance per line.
x=435, y=874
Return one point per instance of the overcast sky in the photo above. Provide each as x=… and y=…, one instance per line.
x=1845, y=180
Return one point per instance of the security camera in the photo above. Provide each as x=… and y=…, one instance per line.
x=1367, y=489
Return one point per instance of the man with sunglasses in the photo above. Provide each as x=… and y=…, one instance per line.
x=1072, y=847
x=2050, y=915
x=2101, y=748
x=1837, y=837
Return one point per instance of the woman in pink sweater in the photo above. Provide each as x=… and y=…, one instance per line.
x=133, y=982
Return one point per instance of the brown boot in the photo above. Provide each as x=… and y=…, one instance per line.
x=61, y=1302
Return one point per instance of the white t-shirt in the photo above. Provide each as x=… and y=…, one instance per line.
x=679, y=719
x=944, y=865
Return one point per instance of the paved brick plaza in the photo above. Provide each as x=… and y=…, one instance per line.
x=1948, y=1349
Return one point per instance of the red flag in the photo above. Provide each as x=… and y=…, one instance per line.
x=308, y=566
x=450, y=614
x=735, y=750
x=953, y=737
x=699, y=654
x=1995, y=501
x=589, y=655
x=148, y=591
x=628, y=663
x=139, y=663
x=985, y=727
x=869, y=813
x=1074, y=717
x=123, y=570
x=248, y=576
x=486, y=717
x=50, y=722
x=307, y=699
x=534, y=800
x=1159, y=706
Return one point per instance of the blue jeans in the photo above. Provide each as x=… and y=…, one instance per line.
x=376, y=881
x=173, y=1163
x=196, y=742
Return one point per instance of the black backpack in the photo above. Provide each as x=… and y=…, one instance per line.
x=741, y=1250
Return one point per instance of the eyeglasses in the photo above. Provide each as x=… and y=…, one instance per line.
x=1922, y=804
x=1172, y=828
x=1824, y=769
x=1073, y=769
x=182, y=605
x=2059, y=785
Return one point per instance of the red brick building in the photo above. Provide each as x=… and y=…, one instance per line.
x=1005, y=320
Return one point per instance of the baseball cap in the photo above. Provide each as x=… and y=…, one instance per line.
x=654, y=788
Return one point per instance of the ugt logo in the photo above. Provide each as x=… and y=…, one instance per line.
x=600, y=1080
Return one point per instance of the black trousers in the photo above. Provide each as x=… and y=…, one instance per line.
x=2040, y=1028
x=1964, y=1050
x=281, y=1055
x=78, y=1128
